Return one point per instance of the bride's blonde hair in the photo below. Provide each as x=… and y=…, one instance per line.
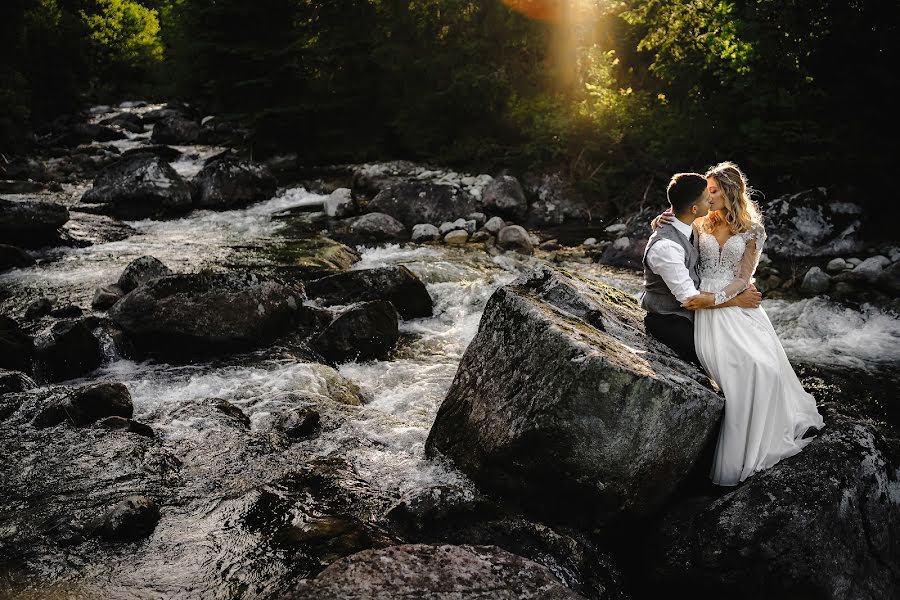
x=740, y=212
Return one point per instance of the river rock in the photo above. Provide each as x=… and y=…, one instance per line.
x=231, y=183
x=557, y=201
x=815, y=282
x=362, y=331
x=376, y=227
x=141, y=270
x=448, y=226
x=514, y=237
x=479, y=217
x=127, y=121
x=118, y=423
x=824, y=521
x=560, y=391
x=16, y=346
x=66, y=350
x=396, y=284
x=504, y=197
x=66, y=311
x=836, y=265
x=494, y=225
x=30, y=222
x=207, y=313
x=167, y=153
x=481, y=236
x=425, y=232
x=431, y=572
x=85, y=133
x=38, y=309
x=105, y=296
x=416, y=202
x=12, y=257
x=298, y=423
x=813, y=223
x=131, y=519
x=86, y=405
x=630, y=252
x=870, y=269
x=138, y=187
x=457, y=237
x=339, y=203
x=175, y=129
x=14, y=381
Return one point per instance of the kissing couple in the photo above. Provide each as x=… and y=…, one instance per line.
x=701, y=302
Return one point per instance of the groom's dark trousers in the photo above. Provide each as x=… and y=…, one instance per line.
x=674, y=331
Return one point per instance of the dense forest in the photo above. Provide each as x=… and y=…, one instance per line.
x=800, y=92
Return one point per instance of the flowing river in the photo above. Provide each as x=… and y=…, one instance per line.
x=203, y=545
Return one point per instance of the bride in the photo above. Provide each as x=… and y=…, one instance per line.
x=767, y=411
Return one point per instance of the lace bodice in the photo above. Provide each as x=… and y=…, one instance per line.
x=728, y=269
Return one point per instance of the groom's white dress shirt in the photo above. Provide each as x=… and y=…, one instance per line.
x=666, y=259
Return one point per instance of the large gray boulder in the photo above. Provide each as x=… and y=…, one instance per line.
x=207, y=312
x=175, y=129
x=813, y=223
x=229, y=183
x=361, y=331
x=556, y=201
x=413, y=202
x=505, y=197
x=138, y=187
x=824, y=522
x=561, y=400
x=66, y=350
x=140, y=270
x=24, y=221
x=432, y=572
x=396, y=284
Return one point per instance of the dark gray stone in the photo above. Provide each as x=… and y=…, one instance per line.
x=362, y=331
x=138, y=187
x=397, y=284
x=416, y=202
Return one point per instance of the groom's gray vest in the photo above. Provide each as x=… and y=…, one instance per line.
x=657, y=296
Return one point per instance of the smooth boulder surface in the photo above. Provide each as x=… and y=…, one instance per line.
x=822, y=524
x=66, y=350
x=138, y=187
x=175, y=129
x=397, y=284
x=30, y=222
x=207, y=312
x=414, y=202
x=87, y=404
x=376, y=227
x=362, y=331
x=141, y=270
x=433, y=572
x=12, y=257
x=561, y=400
x=813, y=223
x=505, y=197
x=230, y=183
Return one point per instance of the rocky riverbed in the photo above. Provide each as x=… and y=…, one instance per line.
x=220, y=379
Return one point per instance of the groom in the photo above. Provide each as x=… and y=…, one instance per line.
x=670, y=269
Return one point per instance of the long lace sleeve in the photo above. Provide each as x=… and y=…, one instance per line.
x=755, y=239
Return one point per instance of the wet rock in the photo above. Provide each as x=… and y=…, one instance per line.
x=14, y=381
x=231, y=183
x=494, y=225
x=13, y=186
x=175, y=129
x=504, y=197
x=105, y=296
x=370, y=179
x=425, y=232
x=87, y=404
x=309, y=258
x=448, y=226
x=824, y=521
x=870, y=269
x=560, y=390
x=514, y=237
x=16, y=346
x=38, y=308
x=117, y=423
x=65, y=351
x=201, y=313
x=836, y=265
x=299, y=423
x=131, y=519
x=167, y=153
x=481, y=236
x=339, y=204
x=141, y=270
x=68, y=311
x=457, y=237
x=85, y=133
x=434, y=571
x=616, y=228
x=637, y=232
x=376, y=227
x=479, y=217
x=557, y=202
x=30, y=223
x=86, y=229
x=25, y=168
x=127, y=121
x=396, y=284
x=813, y=223
x=815, y=282
x=362, y=331
x=138, y=187
x=416, y=202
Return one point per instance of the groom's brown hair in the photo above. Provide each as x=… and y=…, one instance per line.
x=685, y=189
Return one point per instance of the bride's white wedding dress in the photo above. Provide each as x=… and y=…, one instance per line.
x=767, y=411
